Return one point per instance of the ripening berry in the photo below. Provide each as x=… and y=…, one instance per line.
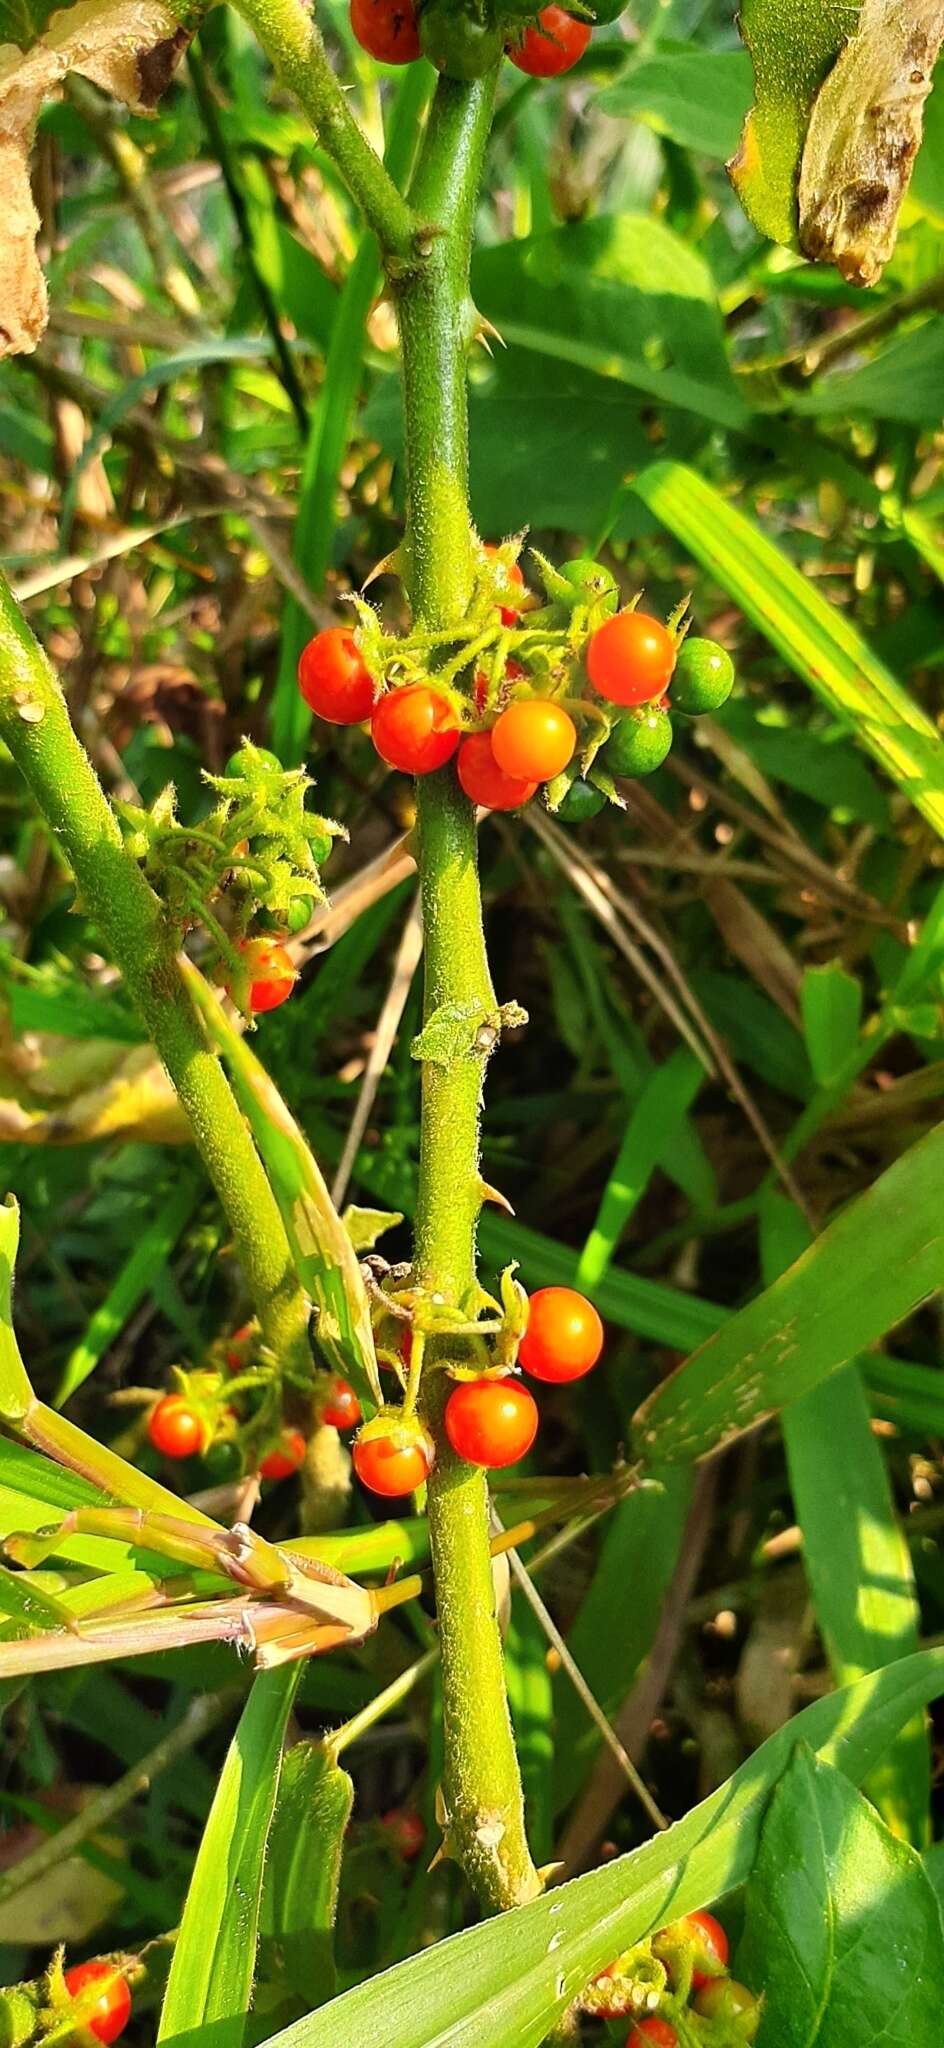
x=386, y=29
x=630, y=658
x=340, y=1406
x=534, y=739
x=271, y=972
x=511, y=573
x=711, y=1944
x=285, y=1457
x=108, y=2016
x=638, y=744
x=564, y=1337
x=581, y=802
x=391, y=1468
x=657, y=2032
x=176, y=1429
x=553, y=46
x=491, y=1422
x=240, y=1344
x=239, y=764
x=704, y=677
x=484, y=781
x=723, y=1998
x=414, y=729
x=405, y=1831
x=334, y=678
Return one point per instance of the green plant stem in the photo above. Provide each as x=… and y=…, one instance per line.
x=34, y=723
x=288, y=34
x=482, y=1783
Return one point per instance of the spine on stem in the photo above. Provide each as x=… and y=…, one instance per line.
x=482, y=1782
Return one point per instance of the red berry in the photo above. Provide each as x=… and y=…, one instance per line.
x=340, y=1406
x=405, y=1830
x=272, y=975
x=332, y=675
x=176, y=1429
x=652, y=2029
x=554, y=46
x=534, y=739
x=511, y=571
x=711, y=1943
x=491, y=1422
x=386, y=29
x=285, y=1457
x=484, y=781
x=414, y=729
x=391, y=1468
x=238, y=1348
x=111, y=2011
x=630, y=658
x=564, y=1337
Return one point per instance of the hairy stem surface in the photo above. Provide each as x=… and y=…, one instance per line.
x=482, y=1784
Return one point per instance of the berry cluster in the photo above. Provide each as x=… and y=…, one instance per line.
x=465, y=41
x=244, y=1410
x=681, y=1977
x=490, y=1418
x=572, y=694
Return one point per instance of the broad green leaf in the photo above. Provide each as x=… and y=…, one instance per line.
x=302, y=1872
x=16, y=1394
x=831, y=1008
x=826, y=766
x=843, y=1929
x=868, y=1270
x=504, y=1984
x=324, y=1256
x=134, y=1281
x=62, y=1005
x=611, y=1636
x=209, y=1989
x=698, y=98
x=791, y=47
x=854, y=1553
x=815, y=637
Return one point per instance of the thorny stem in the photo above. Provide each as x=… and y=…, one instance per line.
x=35, y=724
x=482, y=1784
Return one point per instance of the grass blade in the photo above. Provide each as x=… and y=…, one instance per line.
x=132, y=1284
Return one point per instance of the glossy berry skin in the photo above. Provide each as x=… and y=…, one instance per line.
x=456, y=42
x=710, y=1938
x=704, y=677
x=109, y=2016
x=639, y=744
x=592, y=584
x=630, y=658
x=175, y=1428
x=564, y=1337
x=333, y=677
x=271, y=973
x=581, y=802
x=723, y=1998
x=534, y=739
x=554, y=46
x=484, y=781
x=509, y=611
x=340, y=1407
x=285, y=1457
x=389, y=1468
x=491, y=1422
x=414, y=729
x=405, y=1831
x=656, y=2031
x=387, y=30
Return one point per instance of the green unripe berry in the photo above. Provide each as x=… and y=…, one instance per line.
x=703, y=678
x=639, y=744
x=725, y=1999
x=581, y=802
x=298, y=913
x=607, y=10
x=592, y=584
x=321, y=844
x=238, y=763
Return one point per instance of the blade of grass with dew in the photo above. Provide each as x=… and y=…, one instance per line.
x=134, y=1281
x=880, y=1259
x=329, y=436
x=817, y=639
x=854, y=1553
x=209, y=1989
x=505, y=1983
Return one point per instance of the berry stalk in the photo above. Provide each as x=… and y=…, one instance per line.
x=35, y=724
x=482, y=1783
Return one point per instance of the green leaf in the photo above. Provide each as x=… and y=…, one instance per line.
x=302, y=1872
x=831, y=1007
x=902, y=382
x=854, y=1553
x=131, y=1284
x=843, y=1929
x=667, y=1096
x=16, y=1394
x=211, y=1975
x=871, y=1267
x=364, y=1226
x=698, y=98
x=504, y=1984
x=792, y=46
x=815, y=637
